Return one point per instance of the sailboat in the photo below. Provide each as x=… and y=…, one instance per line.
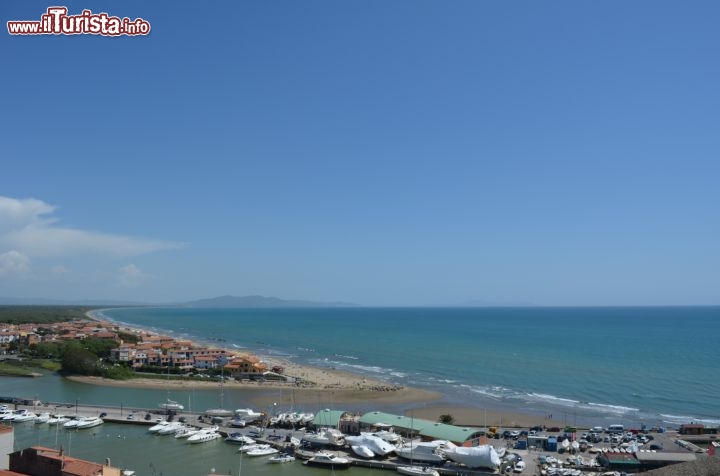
x=220, y=412
x=412, y=469
x=170, y=404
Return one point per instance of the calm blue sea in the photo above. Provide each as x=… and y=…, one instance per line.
x=631, y=365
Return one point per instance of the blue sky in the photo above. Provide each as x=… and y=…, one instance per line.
x=382, y=153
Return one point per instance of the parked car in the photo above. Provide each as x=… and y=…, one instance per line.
x=131, y=417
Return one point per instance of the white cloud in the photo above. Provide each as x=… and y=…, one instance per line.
x=28, y=225
x=14, y=263
x=132, y=276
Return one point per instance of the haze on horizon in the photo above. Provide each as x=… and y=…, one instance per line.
x=379, y=153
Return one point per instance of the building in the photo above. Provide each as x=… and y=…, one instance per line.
x=41, y=461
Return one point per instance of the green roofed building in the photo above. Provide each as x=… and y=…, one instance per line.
x=328, y=418
x=426, y=429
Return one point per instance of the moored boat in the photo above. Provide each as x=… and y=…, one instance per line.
x=413, y=470
x=328, y=460
x=281, y=458
x=89, y=422
x=263, y=451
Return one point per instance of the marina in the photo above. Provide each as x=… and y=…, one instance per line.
x=118, y=434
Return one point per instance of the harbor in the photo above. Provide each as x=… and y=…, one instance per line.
x=123, y=427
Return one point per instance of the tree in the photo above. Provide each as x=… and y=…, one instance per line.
x=75, y=359
x=446, y=418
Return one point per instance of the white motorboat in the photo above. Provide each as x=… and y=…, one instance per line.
x=421, y=451
x=281, y=458
x=171, y=405
x=375, y=444
x=158, y=426
x=328, y=460
x=186, y=432
x=170, y=428
x=362, y=451
x=24, y=415
x=326, y=436
x=71, y=423
x=247, y=414
x=239, y=439
x=42, y=418
x=417, y=471
x=58, y=420
x=262, y=451
x=251, y=447
x=89, y=422
x=205, y=435
x=483, y=456
x=388, y=435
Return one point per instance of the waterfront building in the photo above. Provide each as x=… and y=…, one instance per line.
x=41, y=461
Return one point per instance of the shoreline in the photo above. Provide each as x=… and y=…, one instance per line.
x=346, y=388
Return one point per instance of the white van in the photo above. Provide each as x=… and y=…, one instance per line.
x=615, y=429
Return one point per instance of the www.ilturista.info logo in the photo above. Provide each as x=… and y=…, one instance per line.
x=57, y=22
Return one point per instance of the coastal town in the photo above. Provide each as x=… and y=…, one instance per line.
x=334, y=438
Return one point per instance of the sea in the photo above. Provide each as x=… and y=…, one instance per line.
x=656, y=366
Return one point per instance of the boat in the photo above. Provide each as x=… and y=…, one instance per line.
x=328, y=460
x=281, y=458
x=158, y=426
x=23, y=415
x=89, y=422
x=374, y=443
x=388, y=435
x=186, y=432
x=362, y=451
x=483, y=456
x=205, y=435
x=247, y=414
x=427, y=453
x=239, y=439
x=172, y=405
x=414, y=470
x=42, y=418
x=58, y=420
x=262, y=451
x=325, y=436
x=71, y=423
x=170, y=428
x=251, y=447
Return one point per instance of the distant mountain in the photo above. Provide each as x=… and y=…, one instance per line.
x=260, y=301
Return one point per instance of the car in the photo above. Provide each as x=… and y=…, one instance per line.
x=506, y=434
x=656, y=447
x=103, y=414
x=536, y=429
x=131, y=417
x=148, y=416
x=514, y=434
